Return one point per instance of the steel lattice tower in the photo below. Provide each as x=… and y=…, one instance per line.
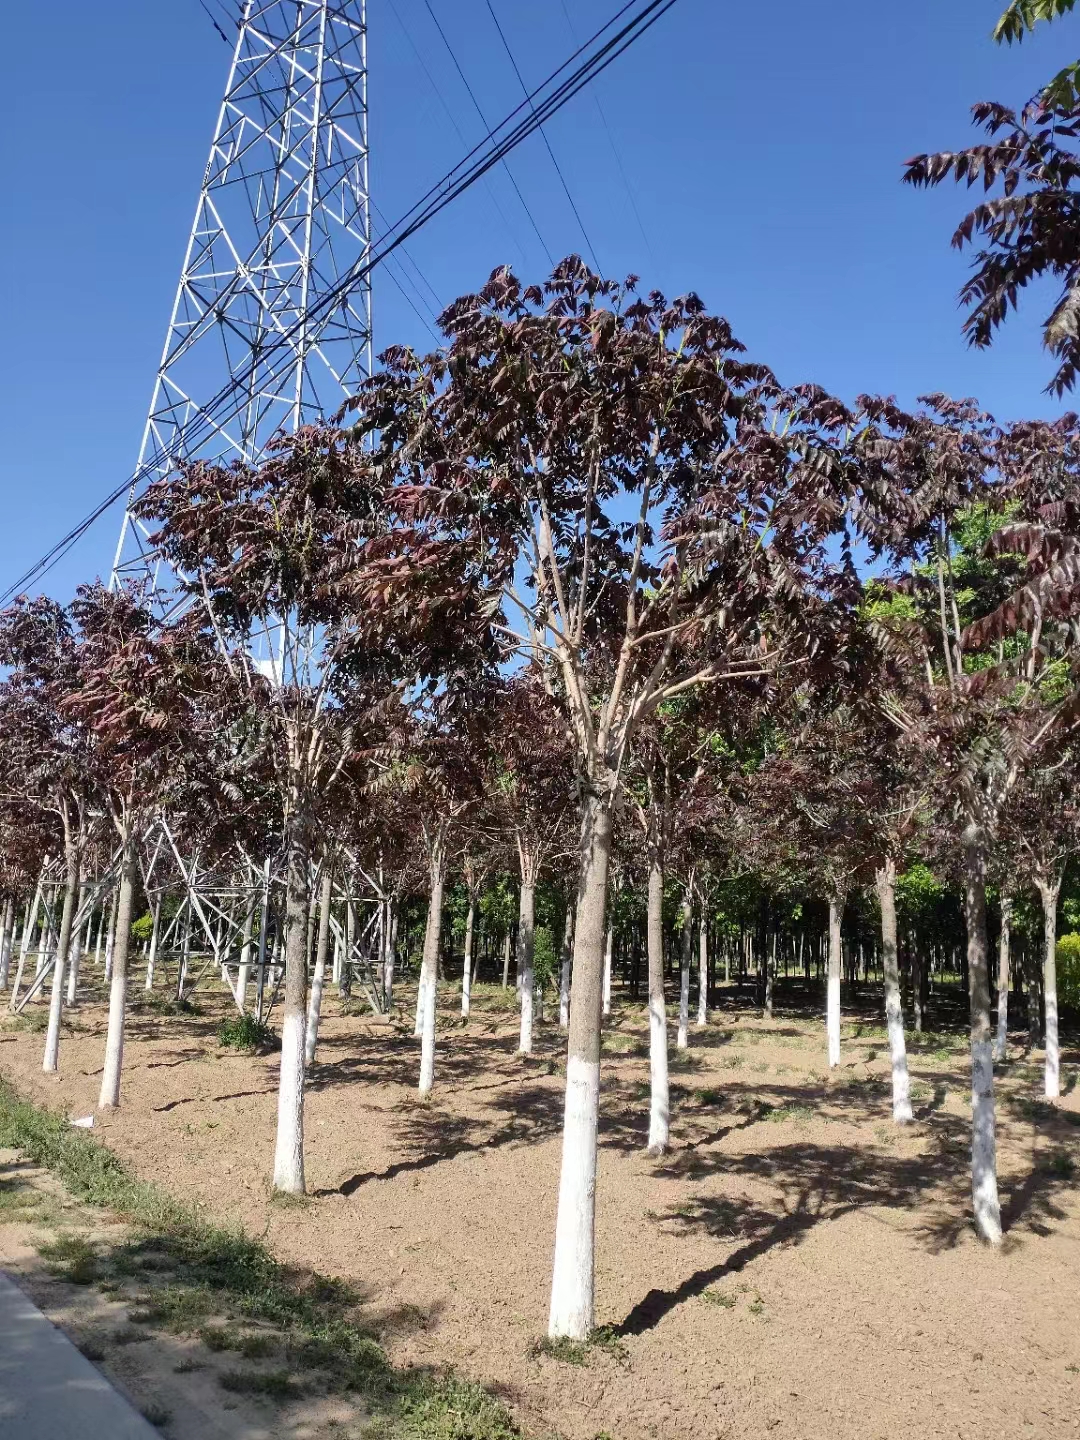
x=263, y=336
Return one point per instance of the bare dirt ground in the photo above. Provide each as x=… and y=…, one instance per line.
x=794, y=1267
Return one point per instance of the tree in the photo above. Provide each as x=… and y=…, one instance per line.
x=981, y=688
x=531, y=793
x=256, y=547
x=619, y=459
x=49, y=755
x=1032, y=229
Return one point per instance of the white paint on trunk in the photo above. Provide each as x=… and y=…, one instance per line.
x=120, y=926
x=703, y=971
x=525, y=956
x=1001, y=1043
x=832, y=1004
x=683, y=1039
x=322, y=949
x=1048, y=892
x=427, y=1000
x=571, y=1311
x=609, y=947
x=466, y=969
x=984, y=1187
x=289, y=1146
x=6, y=937
x=894, y=1015
x=659, y=1085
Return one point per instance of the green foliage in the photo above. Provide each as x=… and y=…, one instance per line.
x=1068, y=969
x=244, y=1032
x=918, y=891
x=142, y=928
x=545, y=960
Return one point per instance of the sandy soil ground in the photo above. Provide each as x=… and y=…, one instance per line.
x=794, y=1267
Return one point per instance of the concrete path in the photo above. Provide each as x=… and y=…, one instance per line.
x=48, y=1391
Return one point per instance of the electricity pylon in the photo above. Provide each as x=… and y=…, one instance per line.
x=264, y=336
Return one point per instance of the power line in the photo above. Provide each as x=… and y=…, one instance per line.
x=488, y=136
x=546, y=100
x=547, y=142
x=457, y=128
x=614, y=150
x=210, y=16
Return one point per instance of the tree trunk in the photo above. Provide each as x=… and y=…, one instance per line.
x=564, y=969
x=984, y=1188
x=572, y=1280
x=110, y=935
x=322, y=950
x=289, y=1147
x=683, y=1039
x=75, y=952
x=659, y=1095
x=506, y=960
x=429, y=968
x=151, y=956
x=894, y=1014
x=526, y=950
x=1048, y=894
x=56, y=1003
x=609, y=950
x=120, y=927
x=832, y=1005
x=6, y=936
x=467, y=967
x=391, y=954
x=1004, y=943
x=703, y=971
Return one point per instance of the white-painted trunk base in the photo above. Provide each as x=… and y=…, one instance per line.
x=289, y=1148
x=984, y=1188
x=659, y=1090
x=832, y=1019
x=571, y=1311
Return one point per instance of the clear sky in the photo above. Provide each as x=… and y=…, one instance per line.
x=749, y=152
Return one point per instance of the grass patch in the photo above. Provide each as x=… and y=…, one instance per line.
x=244, y=1032
x=711, y=1096
x=213, y=1269
x=278, y=1384
x=778, y=1113
x=1058, y=1163
x=92, y=1349
x=186, y=1366
x=72, y=1258
x=166, y=1005
x=561, y=1347
x=156, y=1414
x=718, y=1297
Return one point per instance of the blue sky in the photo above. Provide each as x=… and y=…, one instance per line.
x=762, y=146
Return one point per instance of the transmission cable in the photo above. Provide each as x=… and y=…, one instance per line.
x=490, y=132
x=453, y=121
x=615, y=150
x=465, y=174
x=547, y=142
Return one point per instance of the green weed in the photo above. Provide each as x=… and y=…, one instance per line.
x=244, y=1032
x=72, y=1258
x=718, y=1297
x=278, y=1384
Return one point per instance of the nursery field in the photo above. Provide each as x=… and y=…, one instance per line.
x=796, y=1265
